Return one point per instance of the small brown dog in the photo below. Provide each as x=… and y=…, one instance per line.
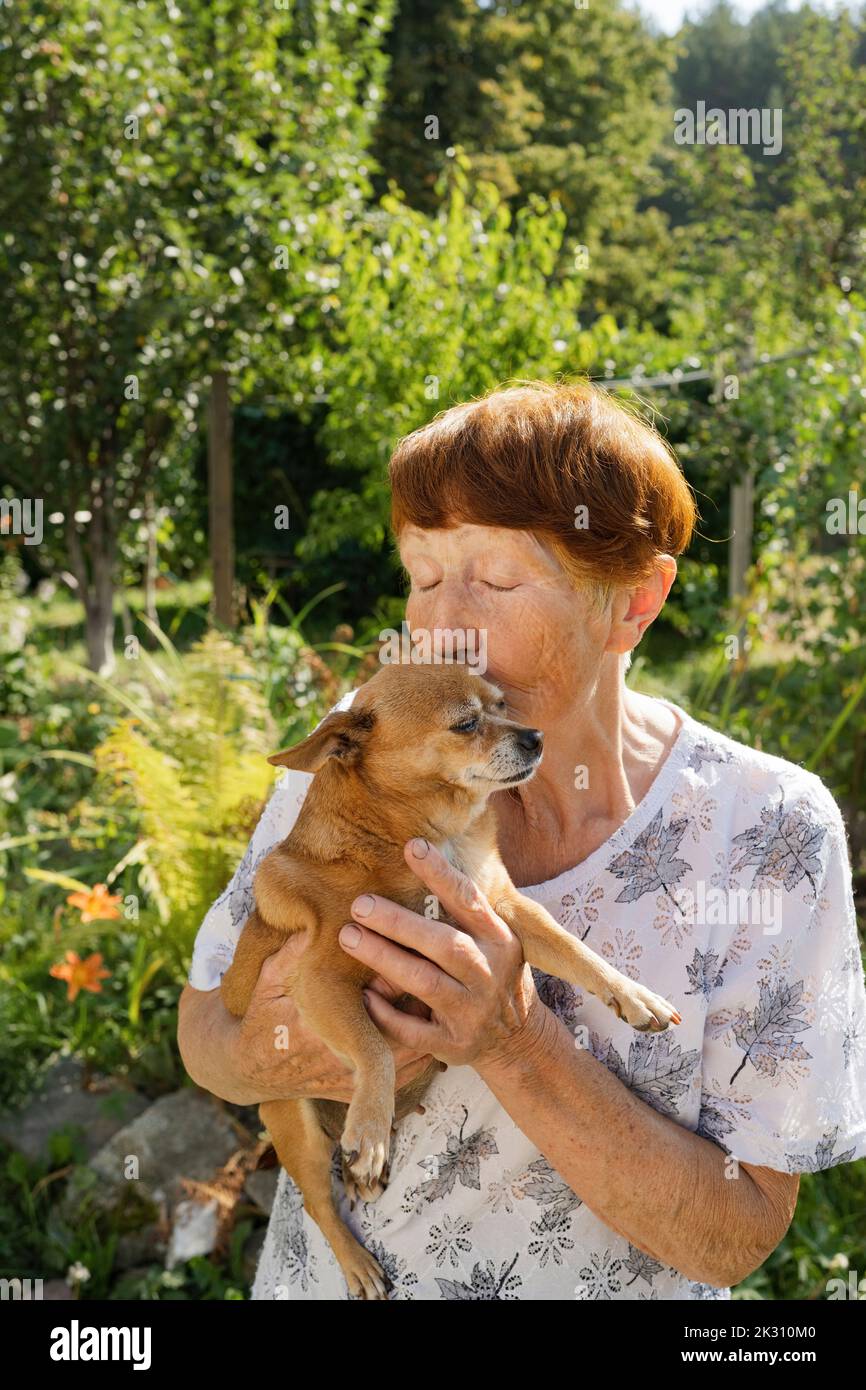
x=417, y=754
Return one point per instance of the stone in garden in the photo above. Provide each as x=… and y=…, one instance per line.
x=145, y=1246
x=193, y=1232
x=261, y=1187
x=182, y=1135
x=95, y=1114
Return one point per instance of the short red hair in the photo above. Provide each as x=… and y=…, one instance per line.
x=526, y=457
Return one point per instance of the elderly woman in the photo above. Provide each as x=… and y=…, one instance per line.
x=560, y=1154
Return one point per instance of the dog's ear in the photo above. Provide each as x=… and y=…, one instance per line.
x=341, y=736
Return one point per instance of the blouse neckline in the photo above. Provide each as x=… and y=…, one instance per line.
x=648, y=806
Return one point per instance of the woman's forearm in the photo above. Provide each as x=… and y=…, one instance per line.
x=205, y=1034
x=657, y=1184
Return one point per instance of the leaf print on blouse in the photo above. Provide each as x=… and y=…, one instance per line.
x=820, y=906
x=623, y=953
x=710, y=1291
x=551, y=1241
x=766, y=1034
x=578, y=911
x=240, y=893
x=740, y=946
x=290, y=1238
x=399, y=1280
x=449, y=1240
x=696, y=807
x=542, y=1184
x=560, y=997
x=832, y=1003
x=721, y=1114
x=777, y=963
x=487, y=1286
x=822, y=1158
x=658, y=1070
x=599, y=1278
x=704, y=973
x=784, y=848
x=726, y=878
x=374, y=1223
x=704, y=752
x=834, y=1104
x=461, y=1159
x=641, y=1265
x=675, y=917
x=651, y=864
x=852, y=1041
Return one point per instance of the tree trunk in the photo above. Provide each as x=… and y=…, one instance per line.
x=99, y=624
x=150, y=564
x=220, y=499
x=742, y=526
x=92, y=564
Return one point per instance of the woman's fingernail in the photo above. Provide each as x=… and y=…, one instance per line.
x=420, y=848
x=350, y=935
x=364, y=905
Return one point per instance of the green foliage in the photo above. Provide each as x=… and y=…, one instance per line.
x=547, y=100
x=196, y=1280
x=158, y=190
x=436, y=309
x=16, y=685
x=185, y=778
x=824, y=1242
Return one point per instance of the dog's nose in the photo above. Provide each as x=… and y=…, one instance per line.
x=530, y=740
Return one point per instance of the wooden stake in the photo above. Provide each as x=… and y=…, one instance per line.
x=220, y=500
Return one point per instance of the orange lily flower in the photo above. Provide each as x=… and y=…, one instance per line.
x=97, y=904
x=80, y=974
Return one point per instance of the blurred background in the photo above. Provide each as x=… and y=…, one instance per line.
x=243, y=249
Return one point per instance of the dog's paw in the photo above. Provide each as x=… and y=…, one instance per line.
x=358, y=1192
x=364, y=1275
x=645, y=1011
x=366, y=1143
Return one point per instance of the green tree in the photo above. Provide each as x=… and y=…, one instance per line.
x=433, y=310
x=174, y=191
x=547, y=99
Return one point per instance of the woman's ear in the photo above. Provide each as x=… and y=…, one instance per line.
x=644, y=603
x=342, y=735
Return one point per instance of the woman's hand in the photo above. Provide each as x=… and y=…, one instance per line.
x=279, y=1058
x=482, y=998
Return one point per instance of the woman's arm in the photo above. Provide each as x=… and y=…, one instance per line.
x=206, y=1039
x=270, y=1054
x=654, y=1182
x=657, y=1184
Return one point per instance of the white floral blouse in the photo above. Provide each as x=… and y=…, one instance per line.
x=727, y=890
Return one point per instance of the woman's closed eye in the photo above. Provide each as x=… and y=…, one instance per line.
x=488, y=584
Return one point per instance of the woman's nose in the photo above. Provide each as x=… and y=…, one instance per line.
x=452, y=607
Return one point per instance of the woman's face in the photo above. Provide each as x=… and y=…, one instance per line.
x=543, y=642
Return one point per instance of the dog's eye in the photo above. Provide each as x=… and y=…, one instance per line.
x=466, y=726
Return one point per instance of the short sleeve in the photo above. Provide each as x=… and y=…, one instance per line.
x=217, y=937
x=784, y=1057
